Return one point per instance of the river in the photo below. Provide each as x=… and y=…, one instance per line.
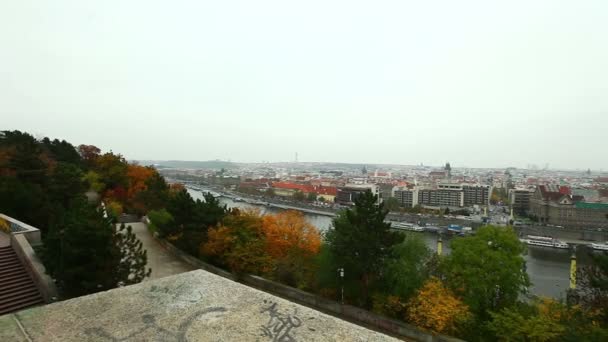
x=548, y=268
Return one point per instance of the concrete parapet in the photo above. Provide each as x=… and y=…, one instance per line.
x=20, y=228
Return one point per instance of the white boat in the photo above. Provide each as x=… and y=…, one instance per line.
x=600, y=246
x=407, y=226
x=544, y=241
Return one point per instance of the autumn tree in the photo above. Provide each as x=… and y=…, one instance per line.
x=137, y=175
x=436, y=308
x=4, y=226
x=292, y=242
x=137, y=182
x=289, y=230
x=89, y=154
x=239, y=244
x=93, y=181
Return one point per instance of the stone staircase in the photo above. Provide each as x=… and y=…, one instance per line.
x=17, y=289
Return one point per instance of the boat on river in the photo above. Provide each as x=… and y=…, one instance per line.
x=600, y=246
x=406, y=226
x=544, y=241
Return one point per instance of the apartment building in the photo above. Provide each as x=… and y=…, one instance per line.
x=347, y=194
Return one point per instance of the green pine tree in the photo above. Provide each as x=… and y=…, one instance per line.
x=361, y=243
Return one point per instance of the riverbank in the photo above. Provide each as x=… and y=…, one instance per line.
x=576, y=237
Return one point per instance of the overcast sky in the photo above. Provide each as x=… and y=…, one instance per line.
x=477, y=83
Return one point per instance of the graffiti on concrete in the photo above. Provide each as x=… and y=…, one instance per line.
x=152, y=327
x=176, y=295
x=280, y=325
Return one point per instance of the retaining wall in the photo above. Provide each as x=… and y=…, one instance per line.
x=34, y=267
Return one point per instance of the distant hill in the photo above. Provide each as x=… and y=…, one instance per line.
x=186, y=164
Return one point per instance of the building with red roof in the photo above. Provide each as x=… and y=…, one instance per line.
x=328, y=193
x=554, y=204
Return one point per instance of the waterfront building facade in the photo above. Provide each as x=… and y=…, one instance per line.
x=556, y=206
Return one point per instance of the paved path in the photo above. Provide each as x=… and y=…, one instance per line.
x=162, y=262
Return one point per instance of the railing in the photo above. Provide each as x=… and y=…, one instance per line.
x=22, y=237
x=32, y=234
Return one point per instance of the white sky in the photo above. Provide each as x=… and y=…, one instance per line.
x=476, y=83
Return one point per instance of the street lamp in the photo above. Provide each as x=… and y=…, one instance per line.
x=341, y=273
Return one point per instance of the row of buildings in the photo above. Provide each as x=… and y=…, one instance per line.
x=563, y=198
x=444, y=195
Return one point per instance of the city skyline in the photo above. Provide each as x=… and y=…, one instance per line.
x=480, y=84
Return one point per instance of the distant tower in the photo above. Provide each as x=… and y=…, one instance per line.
x=296, y=157
x=448, y=169
x=364, y=170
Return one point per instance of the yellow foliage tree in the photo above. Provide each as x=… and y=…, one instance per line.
x=436, y=308
x=219, y=240
x=4, y=226
x=114, y=209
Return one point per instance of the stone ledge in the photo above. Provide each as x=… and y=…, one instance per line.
x=193, y=306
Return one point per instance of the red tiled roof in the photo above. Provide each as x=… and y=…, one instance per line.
x=549, y=195
x=307, y=188
x=602, y=179
x=327, y=190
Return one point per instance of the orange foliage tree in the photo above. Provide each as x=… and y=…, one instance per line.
x=138, y=175
x=292, y=243
x=281, y=246
x=239, y=243
x=436, y=308
x=289, y=230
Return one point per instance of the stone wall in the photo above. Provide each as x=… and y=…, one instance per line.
x=34, y=267
x=347, y=312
